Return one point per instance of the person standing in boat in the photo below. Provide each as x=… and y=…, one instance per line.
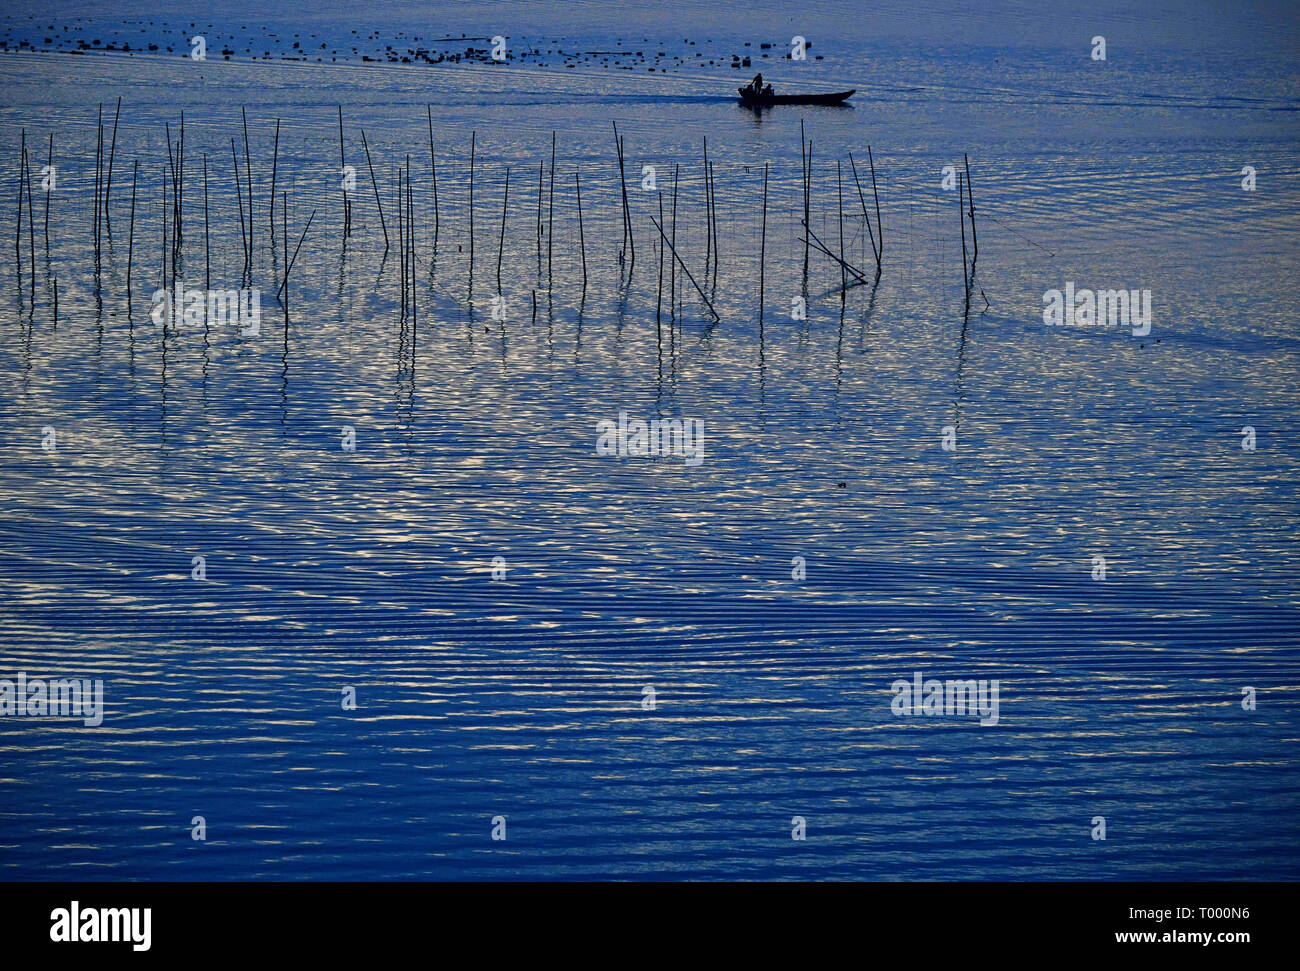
x=756, y=86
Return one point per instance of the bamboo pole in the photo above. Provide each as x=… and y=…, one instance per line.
x=672, y=289
x=18, y=221
x=880, y=226
x=501, y=244
x=375, y=185
x=541, y=167
x=804, y=153
x=629, y=242
x=708, y=212
x=961, y=214
x=130, y=236
x=401, y=242
x=473, y=140
x=839, y=191
x=717, y=249
x=239, y=196
x=180, y=189
x=163, y=240
x=825, y=250
x=171, y=167
x=207, y=243
x=762, y=249
x=410, y=223
x=284, y=284
x=866, y=218
x=433, y=168
x=18, y=234
x=659, y=298
x=970, y=200
x=49, y=183
x=275, y=162
x=112, y=152
x=343, y=164
x=707, y=303
x=99, y=176
x=618, y=151
x=582, y=239
x=248, y=174
x=627, y=209
x=550, y=214
x=294, y=259
x=31, y=232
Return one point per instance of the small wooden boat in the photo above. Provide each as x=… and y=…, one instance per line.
x=751, y=100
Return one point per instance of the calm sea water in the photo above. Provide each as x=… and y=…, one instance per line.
x=522, y=696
